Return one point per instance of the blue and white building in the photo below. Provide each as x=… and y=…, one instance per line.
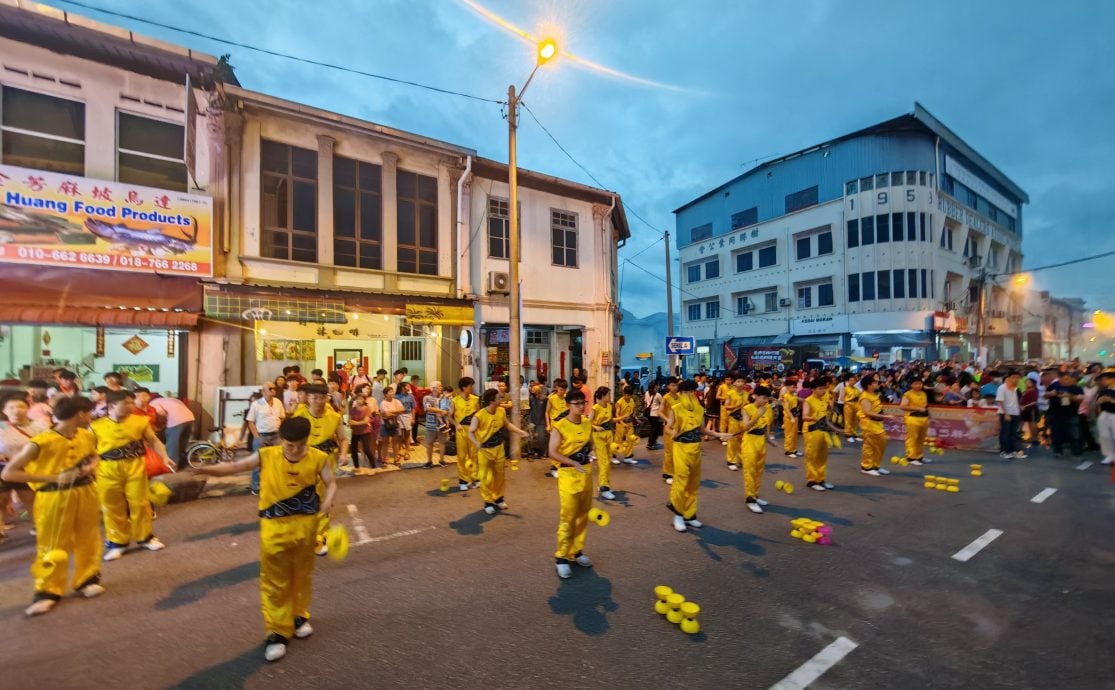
x=869, y=244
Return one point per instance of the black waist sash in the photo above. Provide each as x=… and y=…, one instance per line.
x=466, y=420
x=305, y=502
x=328, y=446
x=737, y=415
x=562, y=415
x=135, y=449
x=608, y=426
x=495, y=440
x=581, y=456
x=919, y=414
x=691, y=436
x=53, y=486
x=758, y=432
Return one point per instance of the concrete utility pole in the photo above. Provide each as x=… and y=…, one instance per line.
x=671, y=360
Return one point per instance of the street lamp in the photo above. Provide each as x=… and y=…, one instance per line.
x=547, y=50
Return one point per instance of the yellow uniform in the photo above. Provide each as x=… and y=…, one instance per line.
x=574, y=488
x=917, y=424
x=463, y=410
x=625, y=407
x=67, y=517
x=668, y=402
x=323, y=436
x=687, y=457
x=816, y=440
x=874, y=435
x=602, y=443
x=722, y=392
x=558, y=410
x=122, y=479
x=289, y=503
x=491, y=434
x=851, y=409
x=755, y=448
x=732, y=410
x=790, y=404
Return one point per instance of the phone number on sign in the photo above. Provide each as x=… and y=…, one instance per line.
x=92, y=259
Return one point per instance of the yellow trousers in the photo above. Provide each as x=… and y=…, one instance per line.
x=916, y=430
x=286, y=570
x=790, y=432
x=735, y=443
x=69, y=521
x=668, y=455
x=575, y=497
x=323, y=519
x=602, y=443
x=816, y=456
x=754, y=463
x=493, y=477
x=874, y=445
x=623, y=433
x=851, y=417
x=122, y=487
x=687, y=480
x=467, y=467
x=722, y=424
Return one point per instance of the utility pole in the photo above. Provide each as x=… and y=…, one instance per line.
x=514, y=344
x=670, y=359
x=981, y=305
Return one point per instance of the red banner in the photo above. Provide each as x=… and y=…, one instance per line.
x=967, y=428
x=729, y=357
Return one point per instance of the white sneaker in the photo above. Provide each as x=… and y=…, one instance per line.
x=1020, y=455
x=858, y=439
x=463, y=486
x=1107, y=461
x=615, y=461
x=40, y=607
x=552, y=473
x=1006, y=456
x=754, y=507
x=274, y=651
x=679, y=524
x=564, y=571
x=733, y=467
x=761, y=502
x=926, y=460
x=114, y=553
x=92, y=590
x=490, y=510
x=304, y=629
x=873, y=473
x=791, y=455
x=883, y=470
x=916, y=463
x=817, y=487
x=723, y=443
x=630, y=460
x=669, y=481
x=502, y=505
x=322, y=550
x=584, y=561
x=607, y=495
x=694, y=523
x=828, y=487
x=153, y=544
x=797, y=454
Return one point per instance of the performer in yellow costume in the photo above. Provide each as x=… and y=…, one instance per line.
x=122, y=441
x=625, y=428
x=874, y=434
x=791, y=412
x=851, y=408
x=603, y=436
x=289, y=504
x=556, y=408
x=915, y=403
x=669, y=399
x=757, y=419
x=465, y=405
x=59, y=465
x=722, y=395
x=686, y=424
x=732, y=408
x=571, y=447
x=816, y=426
x=487, y=433
x=327, y=435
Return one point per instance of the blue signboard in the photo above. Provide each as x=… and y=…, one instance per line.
x=681, y=345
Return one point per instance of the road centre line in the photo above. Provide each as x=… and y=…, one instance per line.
x=1042, y=495
x=813, y=669
x=975, y=547
x=1084, y=465
x=396, y=535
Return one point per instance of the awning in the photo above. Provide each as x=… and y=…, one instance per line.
x=755, y=340
x=64, y=315
x=901, y=339
x=824, y=341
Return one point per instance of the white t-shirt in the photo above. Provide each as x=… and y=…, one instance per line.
x=266, y=416
x=13, y=439
x=1007, y=397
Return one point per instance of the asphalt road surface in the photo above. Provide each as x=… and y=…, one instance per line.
x=436, y=594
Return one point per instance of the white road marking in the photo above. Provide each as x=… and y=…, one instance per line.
x=1084, y=465
x=975, y=547
x=396, y=535
x=816, y=667
x=1042, y=495
x=358, y=524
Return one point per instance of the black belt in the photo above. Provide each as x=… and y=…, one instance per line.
x=135, y=449
x=495, y=440
x=812, y=427
x=691, y=436
x=608, y=426
x=737, y=415
x=53, y=486
x=919, y=414
x=758, y=432
x=467, y=419
x=561, y=415
x=582, y=456
x=305, y=502
x=329, y=446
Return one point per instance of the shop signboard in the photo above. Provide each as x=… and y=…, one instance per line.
x=439, y=315
x=63, y=220
x=140, y=373
x=968, y=428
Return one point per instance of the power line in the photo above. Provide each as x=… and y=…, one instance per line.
x=706, y=298
x=275, y=53
x=1070, y=262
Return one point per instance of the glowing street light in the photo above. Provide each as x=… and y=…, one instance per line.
x=547, y=49
x=1021, y=279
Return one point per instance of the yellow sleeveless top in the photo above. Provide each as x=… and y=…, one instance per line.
x=488, y=423
x=289, y=483
x=58, y=453
x=464, y=407
x=872, y=425
x=322, y=429
x=765, y=417
x=573, y=436
x=125, y=436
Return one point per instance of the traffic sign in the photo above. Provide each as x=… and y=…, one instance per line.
x=645, y=355
x=681, y=345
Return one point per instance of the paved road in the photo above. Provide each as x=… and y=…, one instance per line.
x=440, y=595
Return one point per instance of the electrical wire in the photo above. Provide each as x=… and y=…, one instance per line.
x=1070, y=262
x=275, y=53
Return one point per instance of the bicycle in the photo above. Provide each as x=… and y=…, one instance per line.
x=203, y=453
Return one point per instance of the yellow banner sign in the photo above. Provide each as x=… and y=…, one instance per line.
x=439, y=315
x=644, y=355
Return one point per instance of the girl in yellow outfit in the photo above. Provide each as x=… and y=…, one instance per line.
x=733, y=410
x=59, y=466
x=556, y=408
x=791, y=411
x=122, y=442
x=668, y=401
x=603, y=435
x=722, y=395
x=687, y=426
x=289, y=505
x=757, y=419
x=465, y=405
x=625, y=412
x=327, y=435
x=851, y=408
x=487, y=434
x=816, y=426
x=571, y=447
x=874, y=434
x=916, y=405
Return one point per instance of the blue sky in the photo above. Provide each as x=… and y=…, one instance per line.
x=1028, y=84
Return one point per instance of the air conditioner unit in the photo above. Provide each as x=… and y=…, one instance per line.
x=746, y=306
x=498, y=283
x=784, y=302
x=975, y=260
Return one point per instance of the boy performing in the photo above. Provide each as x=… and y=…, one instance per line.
x=486, y=432
x=791, y=410
x=122, y=442
x=874, y=435
x=814, y=412
x=603, y=435
x=686, y=426
x=556, y=408
x=733, y=409
x=915, y=404
x=625, y=412
x=59, y=465
x=327, y=435
x=757, y=419
x=289, y=506
x=465, y=405
x=570, y=447
x=668, y=401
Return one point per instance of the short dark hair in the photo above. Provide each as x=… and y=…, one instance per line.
x=114, y=397
x=317, y=373
x=67, y=408
x=687, y=385
x=113, y=375
x=141, y=389
x=628, y=390
x=9, y=396
x=465, y=382
x=294, y=429
x=67, y=375
x=761, y=390
x=101, y=389
x=672, y=379
x=867, y=380
x=379, y=372
x=574, y=396
x=601, y=392
x=37, y=383
x=489, y=396
x=314, y=389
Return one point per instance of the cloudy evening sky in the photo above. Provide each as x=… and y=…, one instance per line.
x=1028, y=84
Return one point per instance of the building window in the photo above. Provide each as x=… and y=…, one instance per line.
x=805, y=297
x=932, y=284
x=896, y=227
x=868, y=285
x=924, y=289
x=851, y=187
x=912, y=280
x=289, y=206
x=693, y=273
x=694, y=312
x=42, y=132
x=357, y=214
x=868, y=226
x=824, y=243
x=411, y=350
x=824, y=295
x=853, y=287
x=743, y=306
x=884, y=284
x=768, y=256
x=882, y=228
x=712, y=269
x=896, y=178
x=712, y=310
x=150, y=152
x=866, y=184
x=921, y=178
x=702, y=232
x=770, y=300
x=803, y=247
x=538, y=338
x=923, y=229
x=911, y=177
x=417, y=239
x=912, y=227
x=499, y=220
x=744, y=262
x=801, y=199
x=744, y=218
x=899, y=291
x=882, y=180
x=563, y=234
x=853, y=233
